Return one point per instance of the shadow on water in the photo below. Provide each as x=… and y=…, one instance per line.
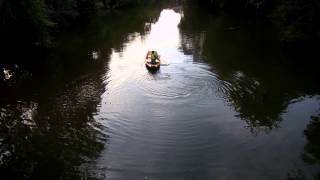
x=312, y=134
x=93, y=110
x=311, y=154
x=256, y=77
x=259, y=80
x=49, y=137
x=312, y=148
x=153, y=71
x=47, y=129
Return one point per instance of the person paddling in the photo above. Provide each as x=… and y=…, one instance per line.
x=154, y=57
x=152, y=60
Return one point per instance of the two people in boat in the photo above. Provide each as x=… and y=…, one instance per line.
x=153, y=56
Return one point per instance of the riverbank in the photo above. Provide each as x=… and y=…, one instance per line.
x=296, y=21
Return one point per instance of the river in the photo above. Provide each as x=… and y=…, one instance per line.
x=223, y=105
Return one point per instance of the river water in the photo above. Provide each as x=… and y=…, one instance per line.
x=223, y=105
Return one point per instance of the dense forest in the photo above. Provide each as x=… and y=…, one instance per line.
x=35, y=21
x=296, y=20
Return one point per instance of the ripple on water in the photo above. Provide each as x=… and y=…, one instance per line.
x=178, y=83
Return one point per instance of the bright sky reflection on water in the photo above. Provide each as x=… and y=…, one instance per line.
x=177, y=122
x=163, y=37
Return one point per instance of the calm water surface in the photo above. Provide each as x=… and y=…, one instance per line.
x=223, y=105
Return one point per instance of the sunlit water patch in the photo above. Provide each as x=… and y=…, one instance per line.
x=182, y=121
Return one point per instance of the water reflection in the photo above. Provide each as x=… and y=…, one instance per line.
x=311, y=153
x=254, y=103
x=96, y=112
x=47, y=127
x=312, y=147
x=252, y=79
x=95, y=55
x=128, y=64
x=38, y=139
x=7, y=74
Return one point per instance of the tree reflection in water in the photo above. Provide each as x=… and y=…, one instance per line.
x=48, y=127
x=251, y=67
x=311, y=154
x=312, y=148
x=38, y=140
x=255, y=77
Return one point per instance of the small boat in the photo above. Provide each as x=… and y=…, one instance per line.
x=152, y=66
x=148, y=63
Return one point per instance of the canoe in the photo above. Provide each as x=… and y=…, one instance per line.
x=148, y=62
x=152, y=66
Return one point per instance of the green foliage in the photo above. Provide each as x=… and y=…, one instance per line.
x=34, y=21
x=232, y=5
x=297, y=20
x=25, y=19
x=66, y=12
x=62, y=11
x=112, y=4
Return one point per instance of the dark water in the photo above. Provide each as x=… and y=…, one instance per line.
x=225, y=103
